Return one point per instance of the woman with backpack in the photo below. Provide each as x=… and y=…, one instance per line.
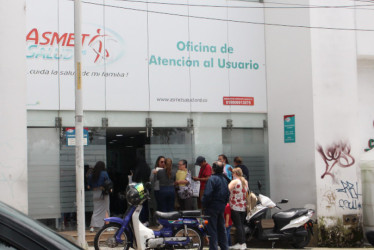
x=97, y=179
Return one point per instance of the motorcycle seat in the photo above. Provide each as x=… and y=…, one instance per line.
x=168, y=216
x=191, y=213
x=290, y=214
x=281, y=219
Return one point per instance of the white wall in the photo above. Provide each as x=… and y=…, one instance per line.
x=289, y=85
x=365, y=39
x=334, y=64
x=365, y=102
x=13, y=143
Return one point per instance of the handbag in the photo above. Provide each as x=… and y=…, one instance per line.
x=195, y=185
x=251, y=201
x=107, y=187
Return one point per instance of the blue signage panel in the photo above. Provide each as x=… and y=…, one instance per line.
x=70, y=136
x=289, y=128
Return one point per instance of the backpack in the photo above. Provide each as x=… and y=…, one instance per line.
x=107, y=187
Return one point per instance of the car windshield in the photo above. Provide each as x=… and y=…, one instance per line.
x=16, y=215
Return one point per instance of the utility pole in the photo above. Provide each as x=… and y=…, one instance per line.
x=79, y=165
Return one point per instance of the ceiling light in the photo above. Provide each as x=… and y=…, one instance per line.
x=142, y=131
x=119, y=135
x=132, y=137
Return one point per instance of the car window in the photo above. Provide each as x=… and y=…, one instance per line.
x=23, y=219
x=5, y=246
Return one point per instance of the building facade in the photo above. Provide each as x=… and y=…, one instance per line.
x=285, y=86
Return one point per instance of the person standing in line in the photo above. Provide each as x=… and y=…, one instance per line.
x=238, y=163
x=182, y=183
x=141, y=174
x=96, y=181
x=238, y=194
x=228, y=223
x=204, y=174
x=160, y=164
x=166, y=178
x=216, y=195
x=227, y=167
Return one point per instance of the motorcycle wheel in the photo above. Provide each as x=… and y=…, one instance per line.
x=192, y=233
x=105, y=238
x=303, y=241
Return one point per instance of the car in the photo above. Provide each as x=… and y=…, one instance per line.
x=18, y=231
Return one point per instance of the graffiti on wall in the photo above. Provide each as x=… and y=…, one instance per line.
x=329, y=198
x=352, y=201
x=337, y=154
x=370, y=145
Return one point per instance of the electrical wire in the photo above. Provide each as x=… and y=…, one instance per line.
x=229, y=20
x=251, y=7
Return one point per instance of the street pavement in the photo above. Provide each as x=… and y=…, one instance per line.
x=308, y=248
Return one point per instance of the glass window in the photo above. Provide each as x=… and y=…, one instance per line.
x=44, y=173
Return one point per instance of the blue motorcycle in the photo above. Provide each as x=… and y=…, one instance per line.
x=180, y=230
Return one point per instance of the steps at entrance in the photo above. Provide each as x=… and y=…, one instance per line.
x=73, y=236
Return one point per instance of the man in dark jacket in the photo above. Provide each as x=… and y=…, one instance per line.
x=215, y=198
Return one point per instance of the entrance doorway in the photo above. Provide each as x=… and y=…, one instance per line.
x=123, y=146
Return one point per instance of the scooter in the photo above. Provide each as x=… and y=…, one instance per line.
x=180, y=230
x=294, y=225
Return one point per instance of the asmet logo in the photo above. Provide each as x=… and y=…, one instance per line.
x=98, y=46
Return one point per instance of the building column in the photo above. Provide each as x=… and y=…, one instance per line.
x=13, y=125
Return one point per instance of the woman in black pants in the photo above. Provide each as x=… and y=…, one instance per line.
x=238, y=190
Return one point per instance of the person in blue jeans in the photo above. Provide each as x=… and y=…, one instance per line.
x=166, y=178
x=215, y=198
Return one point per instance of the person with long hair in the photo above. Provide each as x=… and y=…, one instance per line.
x=96, y=181
x=166, y=177
x=238, y=193
x=160, y=164
x=227, y=167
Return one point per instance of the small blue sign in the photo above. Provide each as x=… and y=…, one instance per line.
x=289, y=129
x=70, y=136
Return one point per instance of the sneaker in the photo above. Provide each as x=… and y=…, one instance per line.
x=243, y=246
x=236, y=246
x=92, y=230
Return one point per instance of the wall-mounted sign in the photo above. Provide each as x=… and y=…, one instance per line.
x=289, y=128
x=197, y=66
x=70, y=136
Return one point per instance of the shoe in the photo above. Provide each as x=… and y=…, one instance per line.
x=236, y=246
x=243, y=246
x=110, y=229
x=92, y=230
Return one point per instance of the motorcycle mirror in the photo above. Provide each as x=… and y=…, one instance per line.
x=284, y=201
x=259, y=185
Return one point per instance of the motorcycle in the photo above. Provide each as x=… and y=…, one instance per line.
x=180, y=229
x=294, y=225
